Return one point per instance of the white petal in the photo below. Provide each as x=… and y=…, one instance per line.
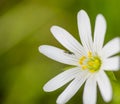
x=58, y=55
x=84, y=28
x=111, y=48
x=104, y=86
x=67, y=40
x=61, y=79
x=112, y=63
x=90, y=91
x=99, y=32
x=72, y=88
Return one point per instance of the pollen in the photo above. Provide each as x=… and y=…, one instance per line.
x=84, y=67
x=82, y=60
x=90, y=62
x=89, y=54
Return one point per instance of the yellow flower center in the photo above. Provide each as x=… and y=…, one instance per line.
x=92, y=63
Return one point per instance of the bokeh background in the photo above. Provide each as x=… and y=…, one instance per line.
x=24, y=26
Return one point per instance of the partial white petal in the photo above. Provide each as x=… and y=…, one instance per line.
x=99, y=32
x=67, y=40
x=104, y=86
x=84, y=28
x=111, y=48
x=112, y=63
x=72, y=88
x=90, y=91
x=61, y=79
x=58, y=55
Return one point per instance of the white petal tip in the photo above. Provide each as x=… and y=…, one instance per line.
x=101, y=17
x=41, y=48
x=81, y=11
x=53, y=28
x=109, y=99
x=44, y=88
x=47, y=89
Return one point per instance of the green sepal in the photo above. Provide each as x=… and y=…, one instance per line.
x=69, y=67
x=111, y=75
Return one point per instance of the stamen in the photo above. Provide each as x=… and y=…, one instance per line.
x=92, y=63
x=82, y=59
x=84, y=67
x=89, y=54
x=81, y=62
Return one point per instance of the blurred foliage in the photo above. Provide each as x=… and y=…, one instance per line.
x=24, y=26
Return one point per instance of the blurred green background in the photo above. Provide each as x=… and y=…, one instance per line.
x=24, y=26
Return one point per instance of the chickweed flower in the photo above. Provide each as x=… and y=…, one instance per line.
x=90, y=60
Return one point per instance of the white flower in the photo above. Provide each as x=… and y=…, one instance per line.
x=91, y=60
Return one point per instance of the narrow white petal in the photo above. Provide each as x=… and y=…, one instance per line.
x=61, y=79
x=67, y=40
x=111, y=48
x=99, y=32
x=84, y=28
x=104, y=86
x=72, y=88
x=90, y=91
x=112, y=63
x=58, y=55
